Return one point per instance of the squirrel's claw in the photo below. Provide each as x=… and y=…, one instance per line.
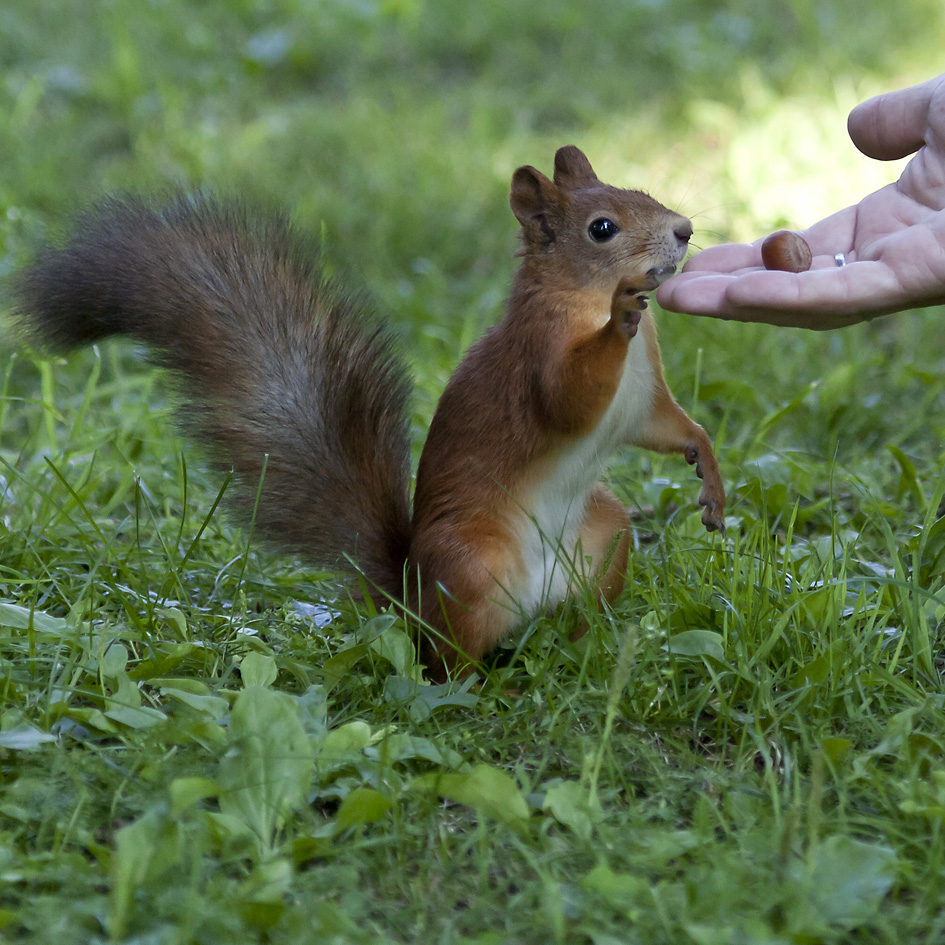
x=626, y=304
x=712, y=500
x=710, y=518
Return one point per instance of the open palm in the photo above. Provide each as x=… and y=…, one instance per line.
x=893, y=239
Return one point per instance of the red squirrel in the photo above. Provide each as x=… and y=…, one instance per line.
x=285, y=381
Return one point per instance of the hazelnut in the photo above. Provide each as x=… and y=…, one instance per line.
x=787, y=251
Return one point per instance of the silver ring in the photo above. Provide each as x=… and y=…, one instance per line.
x=840, y=260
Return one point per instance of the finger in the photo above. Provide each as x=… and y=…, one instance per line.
x=832, y=235
x=696, y=293
x=865, y=287
x=894, y=124
x=818, y=299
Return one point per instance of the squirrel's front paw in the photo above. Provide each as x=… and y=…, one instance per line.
x=712, y=497
x=626, y=305
x=713, y=513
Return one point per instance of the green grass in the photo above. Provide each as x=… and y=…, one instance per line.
x=201, y=742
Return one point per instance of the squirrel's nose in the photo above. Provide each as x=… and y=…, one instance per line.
x=683, y=231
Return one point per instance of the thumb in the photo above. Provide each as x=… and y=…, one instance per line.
x=894, y=124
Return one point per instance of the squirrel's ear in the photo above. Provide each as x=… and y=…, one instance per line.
x=573, y=169
x=532, y=197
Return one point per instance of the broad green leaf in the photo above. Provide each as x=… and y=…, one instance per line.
x=183, y=683
x=313, y=713
x=352, y=736
x=309, y=848
x=696, y=643
x=269, y=882
x=114, y=661
x=24, y=738
x=836, y=748
x=930, y=811
x=655, y=848
x=175, y=617
x=330, y=924
x=362, y=806
x=336, y=667
x=816, y=671
x=400, y=746
x=570, y=804
x=261, y=915
x=166, y=657
x=185, y=792
x=211, y=706
x=375, y=627
x=257, y=669
x=775, y=416
x=898, y=730
x=486, y=789
x=230, y=831
x=423, y=698
x=729, y=391
x=94, y=717
x=847, y=884
x=136, y=716
x=145, y=851
x=267, y=770
x=125, y=706
x=621, y=890
x=209, y=735
x=934, y=544
x=344, y=744
x=709, y=934
x=127, y=693
x=22, y=618
x=399, y=650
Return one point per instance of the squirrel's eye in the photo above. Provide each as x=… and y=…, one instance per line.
x=602, y=229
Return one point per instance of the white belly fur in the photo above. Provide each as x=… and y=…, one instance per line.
x=551, y=523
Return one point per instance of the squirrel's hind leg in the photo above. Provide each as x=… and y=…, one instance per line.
x=469, y=619
x=464, y=610
x=605, y=539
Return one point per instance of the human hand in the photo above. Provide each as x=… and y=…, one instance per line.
x=893, y=240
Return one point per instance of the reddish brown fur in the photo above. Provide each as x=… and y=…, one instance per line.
x=535, y=384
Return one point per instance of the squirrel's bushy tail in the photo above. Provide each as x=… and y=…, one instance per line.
x=272, y=361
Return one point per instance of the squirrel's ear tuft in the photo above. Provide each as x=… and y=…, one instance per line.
x=533, y=197
x=573, y=169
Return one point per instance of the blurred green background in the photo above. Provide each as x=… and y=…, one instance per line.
x=395, y=125
x=392, y=128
